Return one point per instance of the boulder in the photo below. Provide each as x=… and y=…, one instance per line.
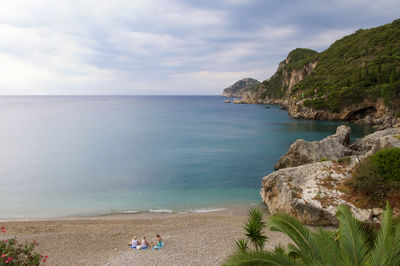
x=309, y=192
x=238, y=101
x=378, y=140
x=303, y=152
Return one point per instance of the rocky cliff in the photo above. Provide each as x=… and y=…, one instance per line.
x=241, y=86
x=311, y=191
x=278, y=88
x=356, y=79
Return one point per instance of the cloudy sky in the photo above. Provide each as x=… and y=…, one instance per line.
x=163, y=46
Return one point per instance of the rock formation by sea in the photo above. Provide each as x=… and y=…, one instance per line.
x=310, y=173
x=237, y=89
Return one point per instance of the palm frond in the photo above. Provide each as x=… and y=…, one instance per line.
x=353, y=242
x=396, y=247
x=384, y=240
x=254, y=229
x=279, y=249
x=300, y=235
x=256, y=216
x=328, y=247
x=393, y=257
x=241, y=245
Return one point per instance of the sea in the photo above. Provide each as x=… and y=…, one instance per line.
x=72, y=156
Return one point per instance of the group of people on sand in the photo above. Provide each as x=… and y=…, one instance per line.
x=144, y=244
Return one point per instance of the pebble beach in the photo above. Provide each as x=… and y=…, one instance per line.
x=190, y=238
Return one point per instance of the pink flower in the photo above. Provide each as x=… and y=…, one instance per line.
x=4, y=231
x=46, y=256
x=2, y=227
x=8, y=260
x=44, y=260
x=3, y=255
x=5, y=240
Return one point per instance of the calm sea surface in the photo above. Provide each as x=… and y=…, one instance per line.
x=68, y=156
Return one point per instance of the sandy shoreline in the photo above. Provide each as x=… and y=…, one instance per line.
x=190, y=238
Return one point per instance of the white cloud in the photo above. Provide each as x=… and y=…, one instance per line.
x=154, y=46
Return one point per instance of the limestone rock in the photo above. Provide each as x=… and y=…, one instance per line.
x=309, y=192
x=238, y=101
x=237, y=89
x=303, y=152
x=378, y=140
x=342, y=135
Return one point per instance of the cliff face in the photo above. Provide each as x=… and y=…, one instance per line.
x=286, y=80
x=241, y=86
x=277, y=89
x=373, y=113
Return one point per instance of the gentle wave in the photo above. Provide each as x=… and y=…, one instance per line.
x=161, y=211
x=208, y=210
x=129, y=211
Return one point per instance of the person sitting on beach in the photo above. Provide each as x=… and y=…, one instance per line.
x=134, y=242
x=144, y=244
x=159, y=243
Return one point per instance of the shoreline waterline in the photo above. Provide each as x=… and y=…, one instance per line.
x=126, y=214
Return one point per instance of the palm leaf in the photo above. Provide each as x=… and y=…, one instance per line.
x=300, y=235
x=384, y=240
x=254, y=228
x=352, y=239
x=241, y=245
x=256, y=216
x=328, y=247
x=394, y=258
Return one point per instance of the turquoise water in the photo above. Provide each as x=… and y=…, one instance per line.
x=67, y=156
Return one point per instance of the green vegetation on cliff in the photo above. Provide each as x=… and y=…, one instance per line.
x=362, y=66
x=375, y=179
x=275, y=87
x=300, y=57
x=241, y=86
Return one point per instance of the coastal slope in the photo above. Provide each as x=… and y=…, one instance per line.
x=240, y=87
x=356, y=79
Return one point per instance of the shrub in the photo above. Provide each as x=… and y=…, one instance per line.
x=346, y=159
x=323, y=159
x=377, y=176
x=366, y=179
x=13, y=253
x=387, y=162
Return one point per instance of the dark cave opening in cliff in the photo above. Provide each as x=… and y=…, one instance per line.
x=361, y=113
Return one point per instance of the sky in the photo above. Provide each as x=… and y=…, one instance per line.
x=165, y=47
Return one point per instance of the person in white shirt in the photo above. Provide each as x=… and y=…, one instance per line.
x=134, y=242
x=144, y=244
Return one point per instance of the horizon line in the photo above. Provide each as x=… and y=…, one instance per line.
x=37, y=95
